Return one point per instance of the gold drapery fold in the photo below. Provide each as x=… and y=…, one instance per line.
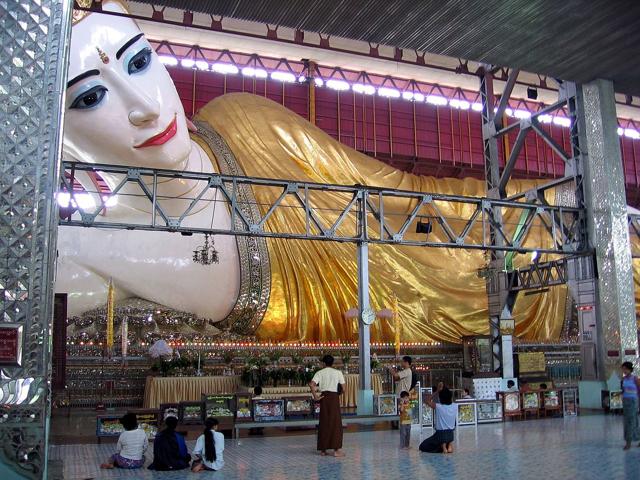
x=440, y=297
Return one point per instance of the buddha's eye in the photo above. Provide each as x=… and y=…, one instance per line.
x=140, y=61
x=90, y=98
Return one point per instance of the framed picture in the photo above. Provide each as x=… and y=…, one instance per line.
x=147, y=421
x=386, y=405
x=511, y=405
x=530, y=401
x=268, y=410
x=243, y=407
x=108, y=426
x=467, y=413
x=569, y=402
x=615, y=400
x=191, y=413
x=218, y=406
x=168, y=410
x=551, y=399
x=427, y=412
x=298, y=406
x=489, y=411
x=415, y=403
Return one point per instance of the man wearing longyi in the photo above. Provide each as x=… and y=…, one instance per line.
x=327, y=385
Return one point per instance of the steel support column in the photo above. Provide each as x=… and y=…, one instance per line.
x=500, y=299
x=365, y=393
x=33, y=62
x=607, y=225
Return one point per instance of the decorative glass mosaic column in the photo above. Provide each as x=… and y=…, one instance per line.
x=34, y=38
x=606, y=204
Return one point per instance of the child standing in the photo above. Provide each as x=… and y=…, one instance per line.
x=405, y=421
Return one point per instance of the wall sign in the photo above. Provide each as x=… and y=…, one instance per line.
x=11, y=345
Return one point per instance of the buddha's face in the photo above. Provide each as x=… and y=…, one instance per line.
x=122, y=107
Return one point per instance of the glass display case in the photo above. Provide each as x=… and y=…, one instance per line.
x=386, y=405
x=477, y=354
x=427, y=412
x=168, y=410
x=268, y=410
x=108, y=426
x=415, y=405
x=191, y=413
x=298, y=406
x=489, y=411
x=569, y=402
x=467, y=413
x=243, y=407
x=218, y=406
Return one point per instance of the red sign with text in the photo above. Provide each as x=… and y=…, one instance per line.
x=10, y=346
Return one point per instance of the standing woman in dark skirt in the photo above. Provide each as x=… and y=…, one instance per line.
x=330, y=382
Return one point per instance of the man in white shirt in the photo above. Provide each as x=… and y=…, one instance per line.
x=403, y=377
x=445, y=420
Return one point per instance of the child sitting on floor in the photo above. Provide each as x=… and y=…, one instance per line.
x=209, y=448
x=132, y=443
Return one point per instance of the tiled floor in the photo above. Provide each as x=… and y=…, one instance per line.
x=589, y=447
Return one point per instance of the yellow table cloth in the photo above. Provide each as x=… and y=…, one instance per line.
x=160, y=390
x=348, y=399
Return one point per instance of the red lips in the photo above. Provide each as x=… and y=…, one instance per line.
x=163, y=137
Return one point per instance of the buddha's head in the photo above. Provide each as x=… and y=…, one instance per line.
x=122, y=106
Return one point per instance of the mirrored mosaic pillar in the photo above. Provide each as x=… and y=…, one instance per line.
x=34, y=38
x=605, y=200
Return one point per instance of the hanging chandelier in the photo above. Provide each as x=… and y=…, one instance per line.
x=207, y=253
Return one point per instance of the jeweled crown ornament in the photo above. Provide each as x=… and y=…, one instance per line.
x=103, y=56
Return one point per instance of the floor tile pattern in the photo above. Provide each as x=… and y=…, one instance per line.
x=588, y=447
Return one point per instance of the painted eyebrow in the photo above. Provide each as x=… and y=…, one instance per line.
x=127, y=45
x=82, y=76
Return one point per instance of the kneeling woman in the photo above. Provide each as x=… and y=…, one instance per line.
x=446, y=417
x=209, y=448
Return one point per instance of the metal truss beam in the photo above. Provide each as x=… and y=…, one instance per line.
x=539, y=276
x=391, y=216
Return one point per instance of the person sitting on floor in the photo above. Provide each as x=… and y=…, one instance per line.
x=169, y=449
x=209, y=448
x=445, y=423
x=132, y=443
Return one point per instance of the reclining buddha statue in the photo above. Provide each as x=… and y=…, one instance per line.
x=123, y=108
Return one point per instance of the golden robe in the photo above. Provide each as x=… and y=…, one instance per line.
x=440, y=296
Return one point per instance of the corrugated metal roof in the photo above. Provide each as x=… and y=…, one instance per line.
x=575, y=40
